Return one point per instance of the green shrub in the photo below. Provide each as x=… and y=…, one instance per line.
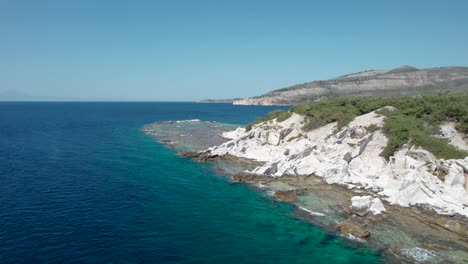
x=280, y=116
x=415, y=120
x=296, y=137
x=258, y=120
x=399, y=129
x=462, y=126
x=372, y=128
x=438, y=146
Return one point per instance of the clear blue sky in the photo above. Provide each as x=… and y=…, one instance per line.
x=189, y=50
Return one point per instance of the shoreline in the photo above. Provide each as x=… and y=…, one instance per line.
x=427, y=236
x=359, y=226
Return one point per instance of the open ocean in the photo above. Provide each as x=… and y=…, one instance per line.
x=79, y=183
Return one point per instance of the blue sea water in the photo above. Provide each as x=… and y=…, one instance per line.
x=79, y=183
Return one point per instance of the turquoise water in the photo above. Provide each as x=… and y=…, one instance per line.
x=81, y=184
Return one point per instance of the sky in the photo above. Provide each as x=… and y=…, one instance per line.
x=190, y=50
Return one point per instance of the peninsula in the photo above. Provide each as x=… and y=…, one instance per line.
x=389, y=171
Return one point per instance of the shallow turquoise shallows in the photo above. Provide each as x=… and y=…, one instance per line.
x=79, y=183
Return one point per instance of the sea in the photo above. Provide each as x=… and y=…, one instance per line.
x=80, y=183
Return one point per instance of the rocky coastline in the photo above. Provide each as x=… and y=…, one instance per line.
x=335, y=180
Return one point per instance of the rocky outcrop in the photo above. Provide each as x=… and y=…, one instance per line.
x=405, y=80
x=455, y=138
x=351, y=157
x=368, y=203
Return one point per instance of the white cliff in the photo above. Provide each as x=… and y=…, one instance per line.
x=351, y=157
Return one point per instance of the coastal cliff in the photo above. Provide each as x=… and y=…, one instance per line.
x=351, y=155
x=387, y=172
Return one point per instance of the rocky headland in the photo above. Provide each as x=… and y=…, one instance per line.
x=351, y=157
x=410, y=206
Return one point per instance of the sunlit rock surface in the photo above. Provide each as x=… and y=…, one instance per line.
x=351, y=157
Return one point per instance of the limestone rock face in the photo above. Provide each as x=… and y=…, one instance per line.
x=361, y=202
x=377, y=206
x=368, y=203
x=351, y=157
x=234, y=134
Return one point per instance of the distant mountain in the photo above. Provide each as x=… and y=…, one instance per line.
x=14, y=95
x=404, y=80
x=229, y=101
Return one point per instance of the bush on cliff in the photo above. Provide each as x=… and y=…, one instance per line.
x=402, y=128
x=280, y=115
x=415, y=121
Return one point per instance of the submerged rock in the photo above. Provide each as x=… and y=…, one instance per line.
x=189, y=135
x=350, y=229
x=286, y=196
x=289, y=195
x=417, y=254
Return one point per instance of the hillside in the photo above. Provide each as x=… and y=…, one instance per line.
x=402, y=81
x=221, y=101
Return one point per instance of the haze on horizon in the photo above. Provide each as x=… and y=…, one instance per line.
x=193, y=50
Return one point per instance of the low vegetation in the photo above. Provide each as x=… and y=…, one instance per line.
x=405, y=126
x=415, y=121
x=296, y=137
x=341, y=110
x=279, y=115
x=372, y=128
